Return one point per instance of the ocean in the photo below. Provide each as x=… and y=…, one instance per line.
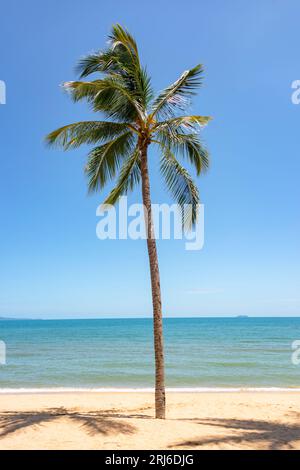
x=201, y=353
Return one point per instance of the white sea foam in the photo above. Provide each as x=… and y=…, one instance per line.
x=4, y=391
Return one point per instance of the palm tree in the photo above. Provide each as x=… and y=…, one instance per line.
x=137, y=119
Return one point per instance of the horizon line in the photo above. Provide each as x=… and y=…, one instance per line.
x=3, y=318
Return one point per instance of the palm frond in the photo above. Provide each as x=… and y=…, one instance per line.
x=130, y=175
x=109, y=62
x=101, y=61
x=181, y=186
x=188, y=146
x=174, y=97
x=121, y=53
x=103, y=161
x=109, y=96
x=144, y=88
x=85, y=132
x=183, y=123
x=121, y=38
x=121, y=60
x=124, y=46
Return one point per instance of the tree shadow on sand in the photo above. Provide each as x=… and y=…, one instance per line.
x=274, y=435
x=105, y=422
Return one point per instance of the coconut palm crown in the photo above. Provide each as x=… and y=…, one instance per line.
x=123, y=93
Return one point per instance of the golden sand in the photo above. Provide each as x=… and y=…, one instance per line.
x=241, y=420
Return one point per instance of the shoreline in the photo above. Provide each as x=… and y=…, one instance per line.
x=71, y=390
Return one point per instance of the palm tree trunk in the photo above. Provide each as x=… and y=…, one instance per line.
x=160, y=400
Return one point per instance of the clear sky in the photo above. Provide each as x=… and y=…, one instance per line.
x=51, y=263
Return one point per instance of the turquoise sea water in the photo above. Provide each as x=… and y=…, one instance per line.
x=200, y=352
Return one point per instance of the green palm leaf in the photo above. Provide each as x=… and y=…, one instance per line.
x=181, y=186
x=108, y=95
x=174, y=97
x=121, y=38
x=85, y=132
x=120, y=61
x=188, y=146
x=130, y=176
x=103, y=161
x=183, y=123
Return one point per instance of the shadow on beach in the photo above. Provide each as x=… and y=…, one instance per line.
x=234, y=433
x=251, y=433
x=106, y=422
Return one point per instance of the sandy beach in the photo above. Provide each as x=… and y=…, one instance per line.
x=224, y=420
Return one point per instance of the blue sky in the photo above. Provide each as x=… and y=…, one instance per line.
x=51, y=263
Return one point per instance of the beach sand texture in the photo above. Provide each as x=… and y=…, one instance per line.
x=240, y=420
